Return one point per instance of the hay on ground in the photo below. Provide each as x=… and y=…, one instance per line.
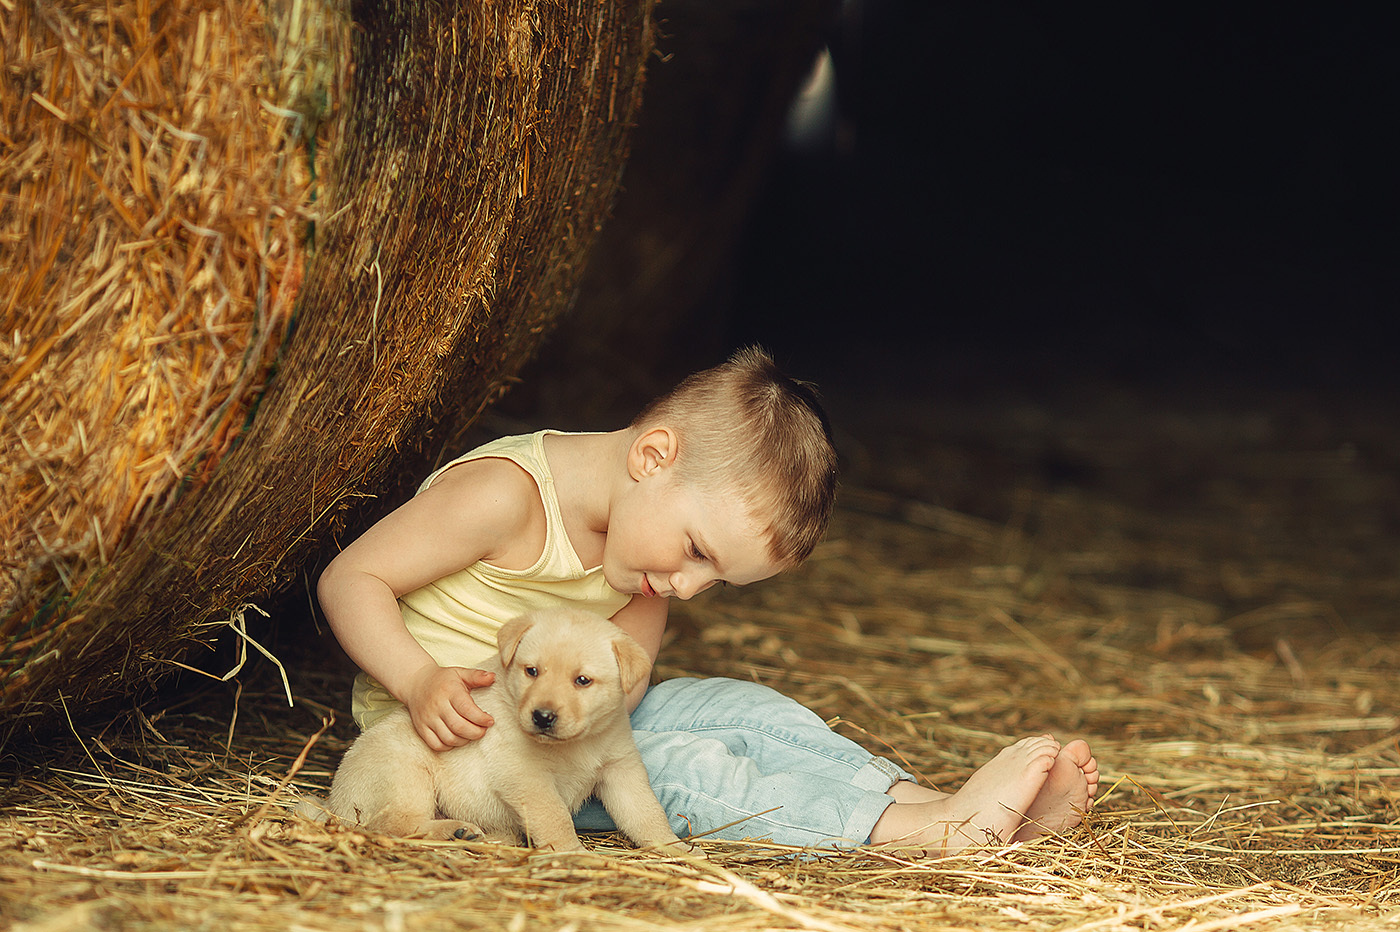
x=1249, y=749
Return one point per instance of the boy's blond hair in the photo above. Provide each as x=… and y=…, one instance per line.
x=744, y=427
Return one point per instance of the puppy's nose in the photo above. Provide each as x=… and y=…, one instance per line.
x=544, y=719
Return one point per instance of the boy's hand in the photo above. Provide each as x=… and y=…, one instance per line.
x=441, y=706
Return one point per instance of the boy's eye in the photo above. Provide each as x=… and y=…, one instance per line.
x=695, y=552
x=532, y=671
x=583, y=681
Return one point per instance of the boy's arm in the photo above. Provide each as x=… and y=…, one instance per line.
x=478, y=510
x=364, y=614
x=645, y=619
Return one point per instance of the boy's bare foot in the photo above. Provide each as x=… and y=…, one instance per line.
x=990, y=805
x=1062, y=800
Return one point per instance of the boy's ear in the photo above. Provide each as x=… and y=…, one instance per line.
x=652, y=451
x=509, y=636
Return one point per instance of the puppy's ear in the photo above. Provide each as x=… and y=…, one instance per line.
x=509, y=637
x=633, y=663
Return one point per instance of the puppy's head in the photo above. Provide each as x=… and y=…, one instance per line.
x=568, y=671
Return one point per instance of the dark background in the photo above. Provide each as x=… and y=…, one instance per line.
x=1144, y=192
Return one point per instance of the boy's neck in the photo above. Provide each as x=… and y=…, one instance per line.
x=585, y=469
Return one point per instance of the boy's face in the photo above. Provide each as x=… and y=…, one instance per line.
x=670, y=538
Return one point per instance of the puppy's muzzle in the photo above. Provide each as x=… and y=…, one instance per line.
x=544, y=720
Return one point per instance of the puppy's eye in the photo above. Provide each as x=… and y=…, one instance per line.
x=583, y=681
x=532, y=672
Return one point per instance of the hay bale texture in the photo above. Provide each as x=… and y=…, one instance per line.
x=256, y=254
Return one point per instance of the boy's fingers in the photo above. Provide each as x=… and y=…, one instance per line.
x=471, y=717
x=430, y=737
x=454, y=729
x=465, y=706
x=453, y=735
x=475, y=679
x=467, y=733
x=441, y=733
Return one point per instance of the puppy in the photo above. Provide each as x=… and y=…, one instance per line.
x=561, y=733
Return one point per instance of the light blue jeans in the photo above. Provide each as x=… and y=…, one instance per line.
x=721, y=751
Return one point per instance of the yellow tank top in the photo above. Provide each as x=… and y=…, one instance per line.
x=456, y=618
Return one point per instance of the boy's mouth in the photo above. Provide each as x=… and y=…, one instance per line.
x=647, y=590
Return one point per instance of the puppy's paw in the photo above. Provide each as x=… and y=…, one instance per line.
x=690, y=848
x=314, y=808
x=679, y=846
x=450, y=830
x=560, y=845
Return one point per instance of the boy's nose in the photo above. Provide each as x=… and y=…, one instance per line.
x=685, y=585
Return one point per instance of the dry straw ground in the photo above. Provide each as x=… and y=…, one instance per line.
x=1207, y=594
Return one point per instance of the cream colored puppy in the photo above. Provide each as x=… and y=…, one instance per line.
x=561, y=733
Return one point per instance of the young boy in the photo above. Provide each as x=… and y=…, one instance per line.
x=730, y=478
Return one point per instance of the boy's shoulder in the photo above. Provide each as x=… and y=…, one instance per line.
x=499, y=475
x=490, y=486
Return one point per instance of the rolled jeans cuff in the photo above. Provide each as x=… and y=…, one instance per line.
x=876, y=777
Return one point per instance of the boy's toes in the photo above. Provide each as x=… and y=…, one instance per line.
x=1079, y=754
x=1078, y=751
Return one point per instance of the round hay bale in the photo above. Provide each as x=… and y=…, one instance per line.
x=257, y=253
